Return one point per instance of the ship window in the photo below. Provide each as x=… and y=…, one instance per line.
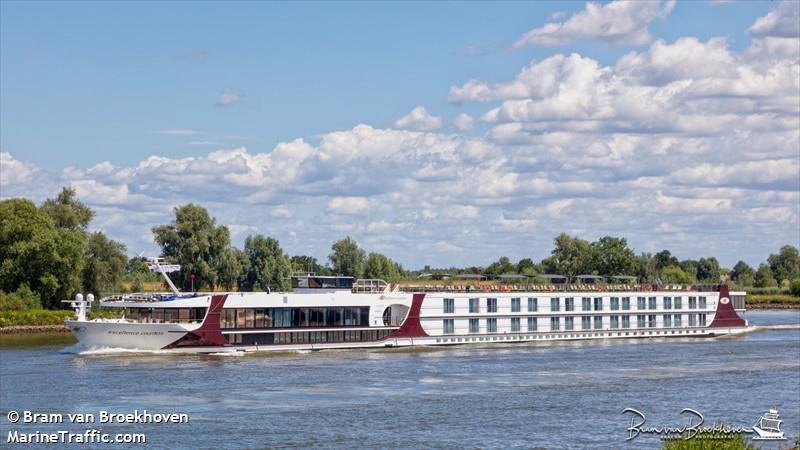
x=702, y=302
x=692, y=302
x=667, y=302
x=598, y=322
x=677, y=303
x=651, y=321
x=491, y=305
x=702, y=319
x=586, y=322
x=569, y=304
x=449, y=305
x=532, y=323
x=651, y=303
x=515, y=305
x=640, y=321
x=555, y=304
x=676, y=320
x=533, y=304
x=640, y=303
x=626, y=322
x=449, y=326
x=240, y=318
x=626, y=303
x=515, y=324
x=183, y=314
x=474, y=305
x=569, y=323
x=586, y=304
x=614, y=303
x=474, y=326
x=598, y=304
x=554, y=324
x=667, y=319
x=249, y=318
x=491, y=325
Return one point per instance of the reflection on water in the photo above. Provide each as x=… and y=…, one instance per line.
x=555, y=395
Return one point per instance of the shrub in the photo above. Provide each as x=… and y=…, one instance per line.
x=794, y=288
x=22, y=299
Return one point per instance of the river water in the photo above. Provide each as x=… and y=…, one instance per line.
x=544, y=395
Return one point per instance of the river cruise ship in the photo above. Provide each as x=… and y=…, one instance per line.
x=324, y=312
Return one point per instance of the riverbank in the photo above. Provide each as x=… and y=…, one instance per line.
x=33, y=329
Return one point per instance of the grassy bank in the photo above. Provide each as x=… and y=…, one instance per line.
x=34, y=317
x=772, y=300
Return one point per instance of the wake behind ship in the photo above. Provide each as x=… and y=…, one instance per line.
x=323, y=312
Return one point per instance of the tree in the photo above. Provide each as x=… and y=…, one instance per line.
x=194, y=241
x=742, y=274
x=764, y=277
x=33, y=251
x=645, y=267
x=380, y=267
x=708, y=270
x=67, y=212
x=268, y=267
x=664, y=259
x=612, y=256
x=229, y=267
x=786, y=264
x=527, y=266
x=501, y=266
x=794, y=287
x=571, y=256
x=690, y=266
x=105, y=264
x=674, y=274
x=346, y=258
x=308, y=264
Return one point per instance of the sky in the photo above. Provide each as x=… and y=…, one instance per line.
x=438, y=133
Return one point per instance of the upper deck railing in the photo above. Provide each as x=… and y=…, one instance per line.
x=544, y=288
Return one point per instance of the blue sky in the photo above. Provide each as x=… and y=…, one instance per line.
x=89, y=91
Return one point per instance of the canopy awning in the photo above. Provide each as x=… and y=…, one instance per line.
x=512, y=276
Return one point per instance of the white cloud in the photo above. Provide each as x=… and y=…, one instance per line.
x=619, y=22
x=463, y=122
x=229, y=97
x=202, y=143
x=418, y=120
x=348, y=205
x=783, y=21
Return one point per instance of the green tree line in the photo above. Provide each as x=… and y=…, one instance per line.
x=47, y=254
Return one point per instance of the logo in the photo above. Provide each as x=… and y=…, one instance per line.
x=766, y=428
x=78, y=329
x=724, y=300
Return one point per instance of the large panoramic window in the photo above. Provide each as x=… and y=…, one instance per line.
x=294, y=317
x=491, y=305
x=533, y=304
x=449, y=305
x=474, y=305
x=515, y=305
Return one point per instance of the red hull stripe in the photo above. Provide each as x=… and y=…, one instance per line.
x=209, y=334
x=411, y=327
x=726, y=316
